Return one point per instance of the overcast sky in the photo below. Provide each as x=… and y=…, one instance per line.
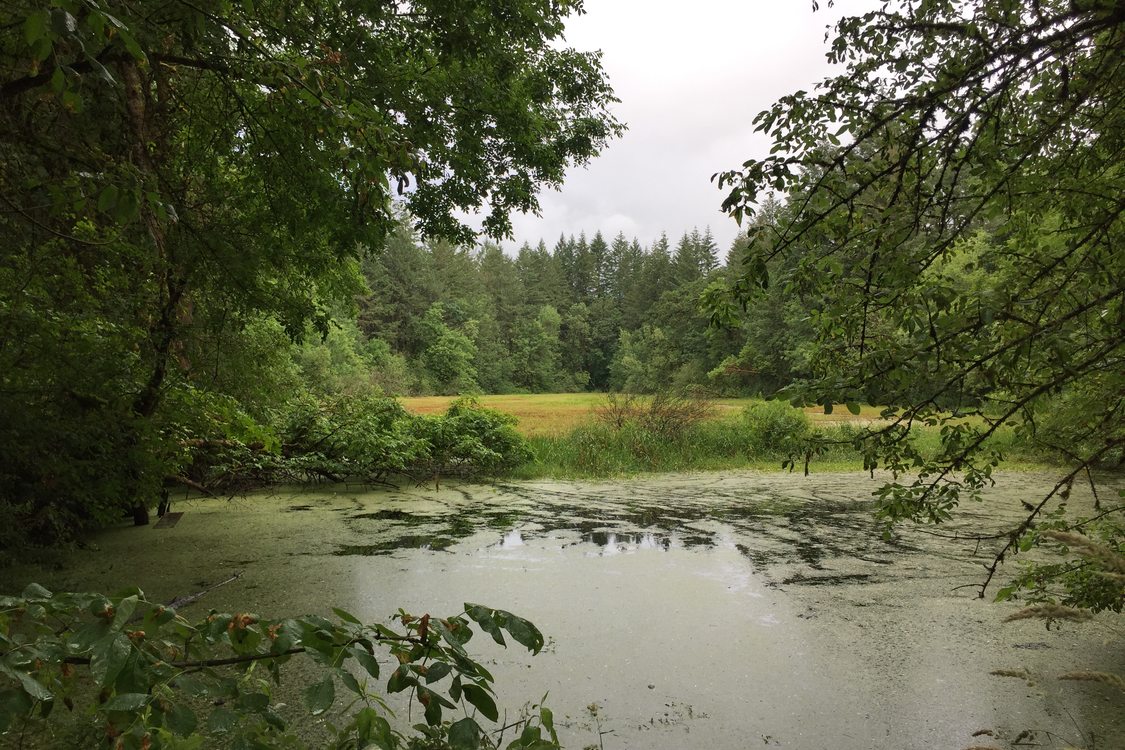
x=690, y=77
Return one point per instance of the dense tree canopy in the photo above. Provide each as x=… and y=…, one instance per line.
x=181, y=180
x=954, y=226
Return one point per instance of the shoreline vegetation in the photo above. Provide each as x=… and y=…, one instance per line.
x=604, y=436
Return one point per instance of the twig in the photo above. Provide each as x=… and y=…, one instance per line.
x=182, y=601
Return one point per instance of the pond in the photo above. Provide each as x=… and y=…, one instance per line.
x=715, y=610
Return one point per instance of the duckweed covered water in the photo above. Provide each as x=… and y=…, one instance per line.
x=718, y=611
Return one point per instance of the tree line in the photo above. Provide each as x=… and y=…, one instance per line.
x=587, y=314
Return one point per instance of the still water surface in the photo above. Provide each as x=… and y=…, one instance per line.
x=689, y=611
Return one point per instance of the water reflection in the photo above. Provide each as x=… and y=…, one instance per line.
x=612, y=542
x=512, y=540
x=798, y=534
x=810, y=529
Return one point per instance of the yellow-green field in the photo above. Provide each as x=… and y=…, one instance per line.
x=558, y=413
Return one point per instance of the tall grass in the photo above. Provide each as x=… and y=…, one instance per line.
x=762, y=436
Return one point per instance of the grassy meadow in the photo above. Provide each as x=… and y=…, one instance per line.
x=570, y=441
x=558, y=413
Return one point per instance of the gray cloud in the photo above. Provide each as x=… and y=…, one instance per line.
x=690, y=78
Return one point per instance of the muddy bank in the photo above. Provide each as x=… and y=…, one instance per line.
x=722, y=611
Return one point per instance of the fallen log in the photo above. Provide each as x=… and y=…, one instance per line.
x=191, y=484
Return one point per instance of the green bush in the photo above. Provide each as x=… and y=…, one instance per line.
x=468, y=440
x=366, y=438
x=775, y=429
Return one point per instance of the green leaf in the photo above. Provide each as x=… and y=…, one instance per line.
x=288, y=636
x=42, y=49
x=273, y=719
x=464, y=734
x=524, y=632
x=130, y=44
x=127, y=702
x=455, y=688
x=190, y=685
x=366, y=660
x=13, y=704
x=107, y=199
x=350, y=682
x=222, y=720
x=854, y=408
x=373, y=729
x=436, y=671
x=84, y=638
x=320, y=695
x=455, y=640
x=1005, y=593
x=477, y=612
x=181, y=720
x=256, y=702
x=37, y=592
x=483, y=616
x=124, y=611
x=547, y=719
x=346, y=616
x=400, y=679
x=433, y=706
x=108, y=657
x=31, y=686
x=480, y=698
x=35, y=26
x=101, y=70
x=63, y=22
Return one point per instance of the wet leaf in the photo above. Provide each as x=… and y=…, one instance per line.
x=524, y=632
x=373, y=729
x=436, y=671
x=181, y=720
x=464, y=734
x=35, y=591
x=127, y=702
x=320, y=695
x=108, y=658
x=32, y=687
x=346, y=616
x=222, y=720
x=480, y=698
x=366, y=660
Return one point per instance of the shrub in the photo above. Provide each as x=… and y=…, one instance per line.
x=669, y=414
x=774, y=428
x=468, y=440
x=367, y=438
x=372, y=439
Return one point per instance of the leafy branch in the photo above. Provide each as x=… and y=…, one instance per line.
x=147, y=690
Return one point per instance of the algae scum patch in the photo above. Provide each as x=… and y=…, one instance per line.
x=685, y=611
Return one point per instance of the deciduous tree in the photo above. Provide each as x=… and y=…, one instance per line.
x=229, y=161
x=987, y=137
